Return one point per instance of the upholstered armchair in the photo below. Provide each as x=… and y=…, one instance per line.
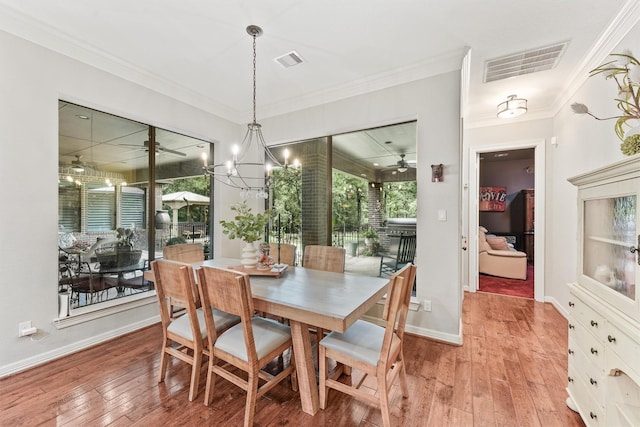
x=497, y=258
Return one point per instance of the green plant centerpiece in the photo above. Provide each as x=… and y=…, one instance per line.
x=624, y=70
x=248, y=227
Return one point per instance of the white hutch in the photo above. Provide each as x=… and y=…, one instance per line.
x=604, y=323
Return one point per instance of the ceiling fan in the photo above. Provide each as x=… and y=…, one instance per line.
x=402, y=165
x=78, y=165
x=159, y=149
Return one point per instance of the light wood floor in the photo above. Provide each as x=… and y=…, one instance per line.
x=511, y=371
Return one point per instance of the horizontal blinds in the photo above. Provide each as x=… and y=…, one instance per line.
x=132, y=208
x=100, y=208
x=69, y=208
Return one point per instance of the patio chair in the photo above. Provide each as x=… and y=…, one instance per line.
x=389, y=264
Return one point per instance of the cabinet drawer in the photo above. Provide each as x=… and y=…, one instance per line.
x=590, y=410
x=592, y=375
x=590, y=319
x=625, y=347
x=581, y=338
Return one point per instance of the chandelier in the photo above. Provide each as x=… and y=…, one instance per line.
x=248, y=169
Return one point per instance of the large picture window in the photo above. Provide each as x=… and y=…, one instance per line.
x=105, y=193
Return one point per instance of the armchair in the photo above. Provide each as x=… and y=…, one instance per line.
x=497, y=258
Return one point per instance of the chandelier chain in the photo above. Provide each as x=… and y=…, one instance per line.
x=254, y=79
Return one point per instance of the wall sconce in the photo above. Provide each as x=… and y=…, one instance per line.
x=437, y=174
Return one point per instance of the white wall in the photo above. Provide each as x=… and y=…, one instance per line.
x=32, y=79
x=583, y=144
x=434, y=102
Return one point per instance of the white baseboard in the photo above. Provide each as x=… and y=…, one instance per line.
x=558, y=306
x=424, y=332
x=39, y=359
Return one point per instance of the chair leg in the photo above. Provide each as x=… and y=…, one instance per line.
x=195, y=375
x=164, y=358
x=319, y=336
x=383, y=395
x=322, y=368
x=403, y=375
x=211, y=382
x=252, y=394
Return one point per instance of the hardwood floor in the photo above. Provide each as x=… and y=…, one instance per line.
x=511, y=371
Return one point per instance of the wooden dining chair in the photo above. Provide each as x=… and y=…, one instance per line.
x=372, y=349
x=175, y=282
x=185, y=252
x=326, y=258
x=249, y=346
x=287, y=253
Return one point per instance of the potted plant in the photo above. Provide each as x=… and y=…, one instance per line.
x=248, y=227
x=370, y=236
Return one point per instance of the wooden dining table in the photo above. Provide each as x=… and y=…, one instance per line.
x=316, y=298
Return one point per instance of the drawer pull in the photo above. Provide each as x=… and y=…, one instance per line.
x=593, y=382
x=611, y=339
x=594, y=323
x=594, y=351
x=571, y=304
x=571, y=326
x=593, y=416
x=570, y=379
x=570, y=351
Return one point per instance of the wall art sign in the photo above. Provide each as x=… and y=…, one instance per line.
x=493, y=199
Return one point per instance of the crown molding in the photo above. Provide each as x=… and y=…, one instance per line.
x=622, y=24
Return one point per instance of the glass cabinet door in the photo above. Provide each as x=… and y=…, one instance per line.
x=609, y=235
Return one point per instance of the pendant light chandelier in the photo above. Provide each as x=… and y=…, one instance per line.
x=250, y=170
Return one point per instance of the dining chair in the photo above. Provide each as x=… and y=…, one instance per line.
x=175, y=282
x=249, y=345
x=372, y=349
x=287, y=253
x=184, y=252
x=327, y=258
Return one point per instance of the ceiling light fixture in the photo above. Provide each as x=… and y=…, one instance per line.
x=248, y=169
x=512, y=107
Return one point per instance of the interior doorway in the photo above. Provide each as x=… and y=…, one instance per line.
x=535, y=168
x=506, y=217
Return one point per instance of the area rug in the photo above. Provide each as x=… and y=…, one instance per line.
x=512, y=287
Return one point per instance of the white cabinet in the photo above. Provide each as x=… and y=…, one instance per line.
x=604, y=323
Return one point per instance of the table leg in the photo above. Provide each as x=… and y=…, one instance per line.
x=304, y=367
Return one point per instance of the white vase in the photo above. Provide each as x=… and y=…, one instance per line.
x=249, y=257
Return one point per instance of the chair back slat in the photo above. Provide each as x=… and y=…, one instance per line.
x=327, y=258
x=185, y=252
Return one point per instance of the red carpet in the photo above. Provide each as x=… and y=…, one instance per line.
x=512, y=287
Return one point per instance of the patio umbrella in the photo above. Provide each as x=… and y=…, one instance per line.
x=181, y=199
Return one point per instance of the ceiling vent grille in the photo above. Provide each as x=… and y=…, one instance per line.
x=289, y=59
x=527, y=62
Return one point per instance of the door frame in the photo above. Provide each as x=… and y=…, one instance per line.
x=539, y=211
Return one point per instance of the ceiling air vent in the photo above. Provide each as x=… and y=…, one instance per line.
x=527, y=62
x=289, y=59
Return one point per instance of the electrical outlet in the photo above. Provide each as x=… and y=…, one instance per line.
x=25, y=328
x=426, y=305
